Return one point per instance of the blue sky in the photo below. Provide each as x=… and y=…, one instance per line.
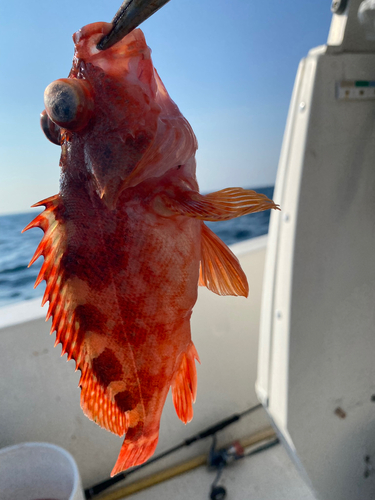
x=228, y=64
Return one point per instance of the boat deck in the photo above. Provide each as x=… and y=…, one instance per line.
x=269, y=475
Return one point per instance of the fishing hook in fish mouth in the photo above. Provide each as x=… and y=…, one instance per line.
x=130, y=15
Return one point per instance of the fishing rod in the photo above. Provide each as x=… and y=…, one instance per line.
x=210, y=431
x=219, y=459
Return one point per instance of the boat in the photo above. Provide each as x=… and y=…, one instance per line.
x=316, y=374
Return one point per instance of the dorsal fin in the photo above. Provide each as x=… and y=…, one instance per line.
x=66, y=318
x=220, y=269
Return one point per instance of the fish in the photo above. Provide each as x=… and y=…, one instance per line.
x=125, y=245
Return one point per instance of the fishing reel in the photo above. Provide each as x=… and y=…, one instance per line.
x=217, y=460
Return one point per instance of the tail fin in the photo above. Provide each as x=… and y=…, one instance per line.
x=135, y=452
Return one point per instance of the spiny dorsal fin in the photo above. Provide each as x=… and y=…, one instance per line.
x=66, y=318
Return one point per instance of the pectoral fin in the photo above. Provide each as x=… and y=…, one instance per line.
x=218, y=206
x=220, y=270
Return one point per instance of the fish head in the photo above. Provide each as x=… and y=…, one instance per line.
x=114, y=118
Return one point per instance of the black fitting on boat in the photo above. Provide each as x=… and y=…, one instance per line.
x=338, y=6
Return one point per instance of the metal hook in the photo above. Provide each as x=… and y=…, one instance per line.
x=130, y=15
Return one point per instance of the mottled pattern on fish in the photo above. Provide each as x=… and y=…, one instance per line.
x=125, y=244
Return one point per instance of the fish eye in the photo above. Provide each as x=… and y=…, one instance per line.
x=50, y=129
x=69, y=103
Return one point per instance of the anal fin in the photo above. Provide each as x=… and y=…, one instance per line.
x=220, y=269
x=184, y=385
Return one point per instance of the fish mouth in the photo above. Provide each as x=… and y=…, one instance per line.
x=129, y=16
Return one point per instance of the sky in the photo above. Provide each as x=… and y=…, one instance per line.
x=229, y=65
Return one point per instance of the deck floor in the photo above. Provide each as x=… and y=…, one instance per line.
x=269, y=475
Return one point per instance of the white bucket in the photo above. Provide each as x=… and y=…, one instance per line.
x=36, y=471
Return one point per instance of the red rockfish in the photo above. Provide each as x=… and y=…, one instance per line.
x=124, y=241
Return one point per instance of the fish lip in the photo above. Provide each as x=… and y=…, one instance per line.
x=129, y=16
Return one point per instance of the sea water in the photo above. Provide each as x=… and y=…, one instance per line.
x=16, y=249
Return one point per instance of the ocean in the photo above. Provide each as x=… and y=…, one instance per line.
x=16, y=249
